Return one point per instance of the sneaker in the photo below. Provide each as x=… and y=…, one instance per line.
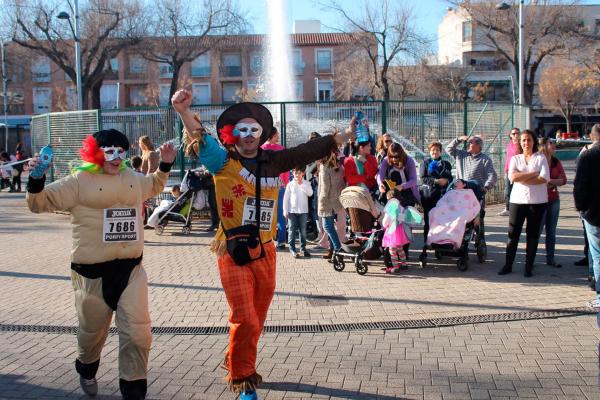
x=594, y=305
x=328, y=255
x=211, y=228
x=294, y=254
x=305, y=253
x=582, y=263
x=89, y=386
x=592, y=283
x=505, y=270
x=389, y=270
x=281, y=246
x=504, y=213
x=396, y=270
x=248, y=395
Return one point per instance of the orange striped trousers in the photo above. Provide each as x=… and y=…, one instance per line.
x=249, y=290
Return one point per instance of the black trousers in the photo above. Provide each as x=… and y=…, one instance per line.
x=533, y=213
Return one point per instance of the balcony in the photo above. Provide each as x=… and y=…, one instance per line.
x=136, y=75
x=201, y=72
x=40, y=77
x=231, y=71
x=488, y=65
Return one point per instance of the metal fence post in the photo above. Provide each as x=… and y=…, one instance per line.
x=465, y=119
x=384, y=106
x=99, y=119
x=283, y=124
x=181, y=153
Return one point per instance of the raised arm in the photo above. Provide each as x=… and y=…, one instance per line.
x=212, y=155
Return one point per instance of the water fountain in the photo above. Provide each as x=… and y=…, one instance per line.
x=277, y=78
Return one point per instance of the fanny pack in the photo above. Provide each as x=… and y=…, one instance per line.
x=243, y=242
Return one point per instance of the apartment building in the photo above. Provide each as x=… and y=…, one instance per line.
x=37, y=86
x=461, y=43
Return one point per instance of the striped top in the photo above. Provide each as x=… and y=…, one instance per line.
x=477, y=167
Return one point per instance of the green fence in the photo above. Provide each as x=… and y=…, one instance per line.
x=412, y=123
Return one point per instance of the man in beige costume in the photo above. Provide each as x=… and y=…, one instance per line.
x=105, y=200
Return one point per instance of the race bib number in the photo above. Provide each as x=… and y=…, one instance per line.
x=120, y=225
x=267, y=208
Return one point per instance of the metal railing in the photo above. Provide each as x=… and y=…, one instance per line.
x=412, y=123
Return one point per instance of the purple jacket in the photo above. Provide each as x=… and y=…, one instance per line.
x=410, y=170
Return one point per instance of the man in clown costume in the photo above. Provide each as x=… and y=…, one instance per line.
x=104, y=198
x=244, y=247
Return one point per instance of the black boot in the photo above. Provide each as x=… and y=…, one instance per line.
x=528, y=271
x=505, y=270
x=133, y=390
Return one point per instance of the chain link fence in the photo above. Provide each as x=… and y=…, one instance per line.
x=412, y=123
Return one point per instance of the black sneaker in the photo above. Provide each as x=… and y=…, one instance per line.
x=582, y=263
x=305, y=253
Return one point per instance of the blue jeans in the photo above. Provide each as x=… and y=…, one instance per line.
x=297, y=224
x=550, y=221
x=329, y=226
x=281, y=222
x=593, y=234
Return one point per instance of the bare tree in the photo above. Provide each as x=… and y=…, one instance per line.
x=565, y=87
x=386, y=34
x=179, y=31
x=551, y=27
x=107, y=27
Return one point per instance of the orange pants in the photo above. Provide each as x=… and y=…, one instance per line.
x=249, y=290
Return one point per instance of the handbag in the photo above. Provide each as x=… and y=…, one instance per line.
x=243, y=242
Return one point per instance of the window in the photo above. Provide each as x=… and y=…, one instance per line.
x=137, y=96
x=114, y=64
x=467, y=31
x=231, y=64
x=597, y=27
x=325, y=90
x=137, y=65
x=201, y=66
x=71, y=94
x=42, y=100
x=323, y=61
x=40, y=70
x=256, y=62
x=299, y=90
x=108, y=96
x=230, y=90
x=165, y=69
x=163, y=94
x=298, y=63
x=201, y=93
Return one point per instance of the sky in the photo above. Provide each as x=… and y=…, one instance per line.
x=428, y=13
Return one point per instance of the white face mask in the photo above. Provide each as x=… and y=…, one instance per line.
x=244, y=130
x=112, y=153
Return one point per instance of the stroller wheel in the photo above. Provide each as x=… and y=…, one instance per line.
x=481, y=252
x=462, y=264
x=338, y=263
x=186, y=230
x=160, y=229
x=438, y=255
x=361, y=266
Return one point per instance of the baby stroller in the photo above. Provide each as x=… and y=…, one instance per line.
x=474, y=233
x=181, y=209
x=368, y=233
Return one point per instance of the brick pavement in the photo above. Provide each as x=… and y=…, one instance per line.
x=544, y=359
x=185, y=291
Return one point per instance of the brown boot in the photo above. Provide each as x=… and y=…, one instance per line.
x=328, y=255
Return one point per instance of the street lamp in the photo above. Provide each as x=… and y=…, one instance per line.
x=506, y=6
x=4, y=94
x=75, y=31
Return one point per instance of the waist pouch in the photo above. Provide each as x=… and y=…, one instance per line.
x=244, y=244
x=114, y=274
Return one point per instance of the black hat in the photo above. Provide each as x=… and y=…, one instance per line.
x=111, y=137
x=237, y=112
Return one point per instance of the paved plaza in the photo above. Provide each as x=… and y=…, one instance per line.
x=326, y=335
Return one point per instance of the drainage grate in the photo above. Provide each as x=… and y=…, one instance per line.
x=324, y=300
x=320, y=328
